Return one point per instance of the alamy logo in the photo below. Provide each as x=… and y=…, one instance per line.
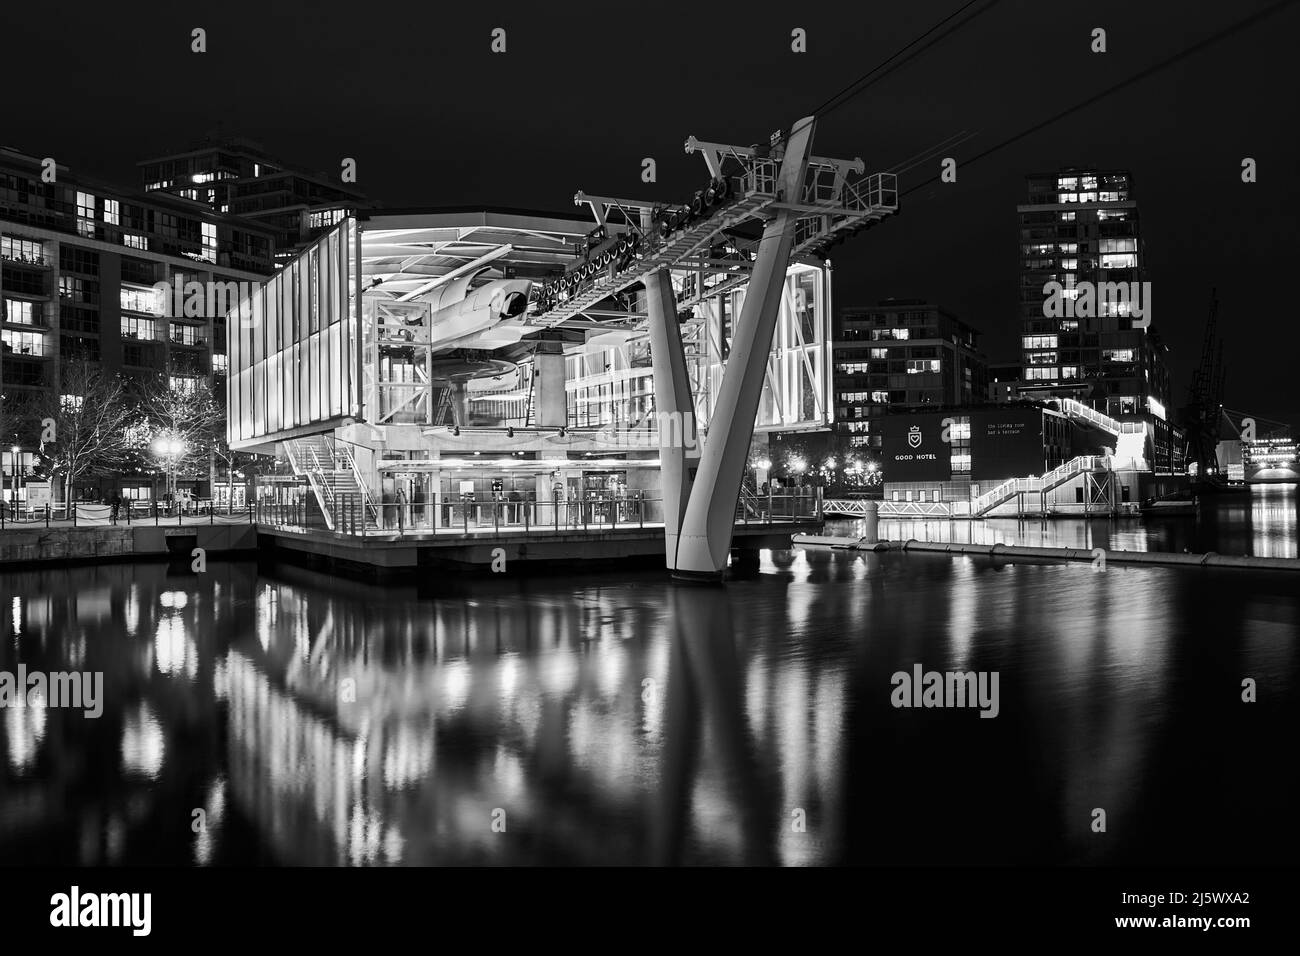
x=1093, y=299
x=947, y=689
x=658, y=430
x=914, y=436
x=204, y=300
x=78, y=690
x=103, y=909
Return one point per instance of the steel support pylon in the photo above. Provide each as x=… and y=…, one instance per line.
x=699, y=547
x=674, y=408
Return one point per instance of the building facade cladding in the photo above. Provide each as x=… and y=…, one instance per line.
x=239, y=178
x=293, y=346
x=80, y=268
x=901, y=354
x=1082, y=227
x=946, y=454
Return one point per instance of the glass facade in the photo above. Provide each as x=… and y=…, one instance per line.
x=292, y=345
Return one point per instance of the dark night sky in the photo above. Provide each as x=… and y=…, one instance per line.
x=586, y=90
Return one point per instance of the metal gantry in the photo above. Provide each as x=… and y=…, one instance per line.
x=707, y=235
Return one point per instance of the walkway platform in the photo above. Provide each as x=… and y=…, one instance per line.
x=386, y=556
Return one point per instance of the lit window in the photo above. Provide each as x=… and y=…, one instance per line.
x=1125, y=261
x=132, y=241
x=134, y=327
x=25, y=343
x=19, y=313
x=21, y=250
x=209, y=241
x=142, y=300
x=85, y=205
x=1038, y=341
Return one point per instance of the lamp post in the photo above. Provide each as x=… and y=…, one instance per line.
x=15, y=451
x=169, y=448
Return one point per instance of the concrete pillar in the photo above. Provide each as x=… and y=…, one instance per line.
x=674, y=410
x=705, y=538
x=871, y=522
x=549, y=399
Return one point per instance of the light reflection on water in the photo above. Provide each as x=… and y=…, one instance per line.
x=1261, y=521
x=622, y=719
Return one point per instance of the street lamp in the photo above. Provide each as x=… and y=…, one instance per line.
x=15, y=451
x=169, y=448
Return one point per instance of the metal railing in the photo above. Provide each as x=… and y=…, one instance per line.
x=512, y=517
x=343, y=449
x=1076, y=409
x=97, y=514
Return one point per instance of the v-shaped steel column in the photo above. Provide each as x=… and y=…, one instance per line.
x=674, y=409
x=701, y=546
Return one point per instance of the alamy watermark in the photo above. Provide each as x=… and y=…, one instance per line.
x=946, y=689
x=657, y=430
x=191, y=299
x=77, y=690
x=1094, y=299
x=76, y=909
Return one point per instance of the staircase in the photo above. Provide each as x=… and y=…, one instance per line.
x=750, y=505
x=328, y=465
x=1015, y=486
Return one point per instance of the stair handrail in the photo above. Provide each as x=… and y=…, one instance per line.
x=317, y=474
x=341, y=447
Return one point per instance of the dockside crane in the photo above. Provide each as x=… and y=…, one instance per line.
x=1205, y=402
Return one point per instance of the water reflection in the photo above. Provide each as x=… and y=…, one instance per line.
x=315, y=720
x=1261, y=521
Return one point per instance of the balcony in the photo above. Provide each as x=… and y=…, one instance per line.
x=33, y=260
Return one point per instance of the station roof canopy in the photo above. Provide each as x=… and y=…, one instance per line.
x=409, y=249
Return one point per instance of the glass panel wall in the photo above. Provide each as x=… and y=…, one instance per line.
x=292, y=344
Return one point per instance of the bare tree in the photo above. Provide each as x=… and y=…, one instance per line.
x=84, y=426
x=189, y=416
x=232, y=460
